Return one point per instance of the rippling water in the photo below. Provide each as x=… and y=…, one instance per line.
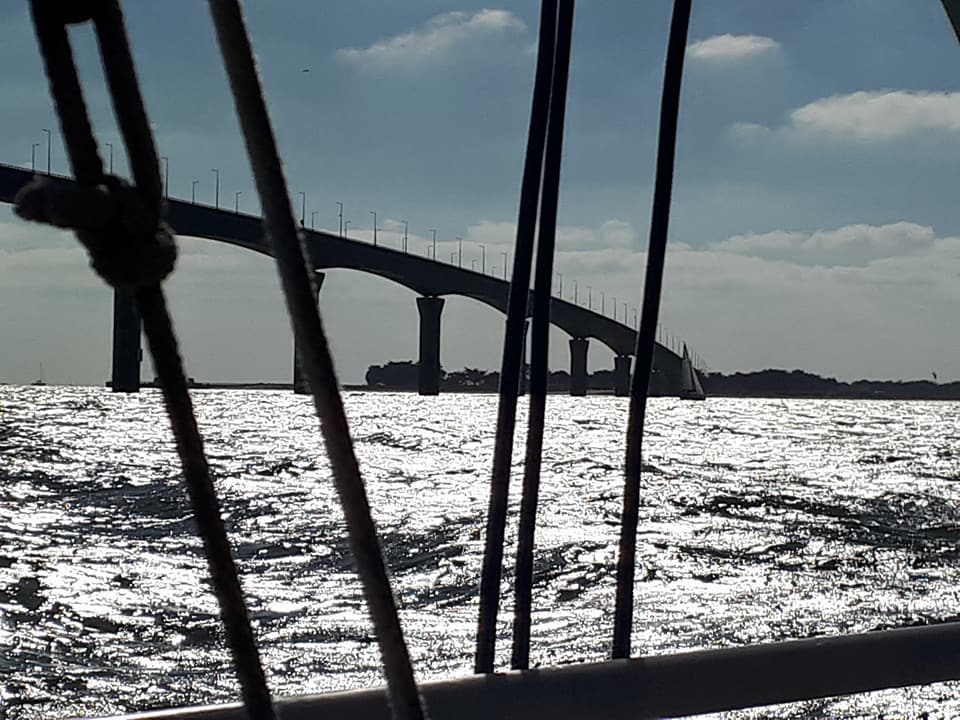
x=761, y=520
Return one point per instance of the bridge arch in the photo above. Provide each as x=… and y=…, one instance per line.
x=426, y=277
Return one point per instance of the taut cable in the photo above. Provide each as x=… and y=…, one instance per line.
x=514, y=338
x=647, y=334
x=540, y=340
x=316, y=362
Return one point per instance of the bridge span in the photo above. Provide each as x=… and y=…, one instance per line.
x=432, y=281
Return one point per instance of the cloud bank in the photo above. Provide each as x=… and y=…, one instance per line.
x=434, y=42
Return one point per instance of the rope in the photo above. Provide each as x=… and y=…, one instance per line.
x=132, y=249
x=540, y=341
x=514, y=338
x=646, y=335
x=317, y=365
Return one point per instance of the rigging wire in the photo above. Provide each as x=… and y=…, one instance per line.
x=316, y=362
x=540, y=340
x=513, y=342
x=646, y=335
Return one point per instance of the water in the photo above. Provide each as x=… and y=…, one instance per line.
x=761, y=520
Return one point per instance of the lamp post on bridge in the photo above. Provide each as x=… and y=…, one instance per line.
x=635, y=323
x=49, y=142
x=483, y=259
x=453, y=257
x=303, y=208
x=589, y=297
x=405, y=227
x=193, y=191
x=504, y=264
x=603, y=304
x=459, y=251
x=166, y=175
x=576, y=292
x=236, y=201
x=434, y=231
x=614, y=299
x=346, y=228
x=313, y=220
x=624, y=313
x=110, y=162
x=339, y=215
x=560, y=288
x=33, y=157
x=473, y=264
x=374, y=213
x=216, y=191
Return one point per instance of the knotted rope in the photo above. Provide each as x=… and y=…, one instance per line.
x=131, y=249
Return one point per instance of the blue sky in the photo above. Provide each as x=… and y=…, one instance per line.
x=814, y=221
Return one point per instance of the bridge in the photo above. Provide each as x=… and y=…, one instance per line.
x=432, y=280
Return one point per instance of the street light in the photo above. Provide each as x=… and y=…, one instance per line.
x=473, y=264
x=560, y=293
x=373, y=212
x=166, y=175
x=236, y=200
x=340, y=216
x=453, y=257
x=460, y=251
x=603, y=306
x=303, y=208
x=434, y=231
x=313, y=216
x=483, y=259
x=216, y=191
x=589, y=297
x=504, y=265
x=49, y=136
x=193, y=191
x=110, y=163
x=404, y=235
x=346, y=228
x=33, y=156
x=576, y=292
x=614, y=300
x=624, y=313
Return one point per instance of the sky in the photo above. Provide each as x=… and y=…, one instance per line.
x=814, y=222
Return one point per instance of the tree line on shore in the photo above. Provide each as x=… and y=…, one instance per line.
x=403, y=375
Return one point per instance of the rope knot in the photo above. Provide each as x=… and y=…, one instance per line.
x=129, y=246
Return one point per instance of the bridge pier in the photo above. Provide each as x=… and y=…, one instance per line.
x=300, y=386
x=428, y=380
x=125, y=370
x=578, y=366
x=621, y=375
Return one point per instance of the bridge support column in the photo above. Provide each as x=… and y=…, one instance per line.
x=621, y=375
x=428, y=380
x=125, y=371
x=299, y=381
x=578, y=366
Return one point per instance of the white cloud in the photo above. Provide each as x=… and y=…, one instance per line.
x=869, y=115
x=731, y=48
x=851, y=245
x=434, y=41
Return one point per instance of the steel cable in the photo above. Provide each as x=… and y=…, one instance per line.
x=540, y=340
x=133, y=251
x=514, y=339
x=646, y=335
x=316, y=362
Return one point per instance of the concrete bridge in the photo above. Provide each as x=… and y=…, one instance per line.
x=432, y=280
